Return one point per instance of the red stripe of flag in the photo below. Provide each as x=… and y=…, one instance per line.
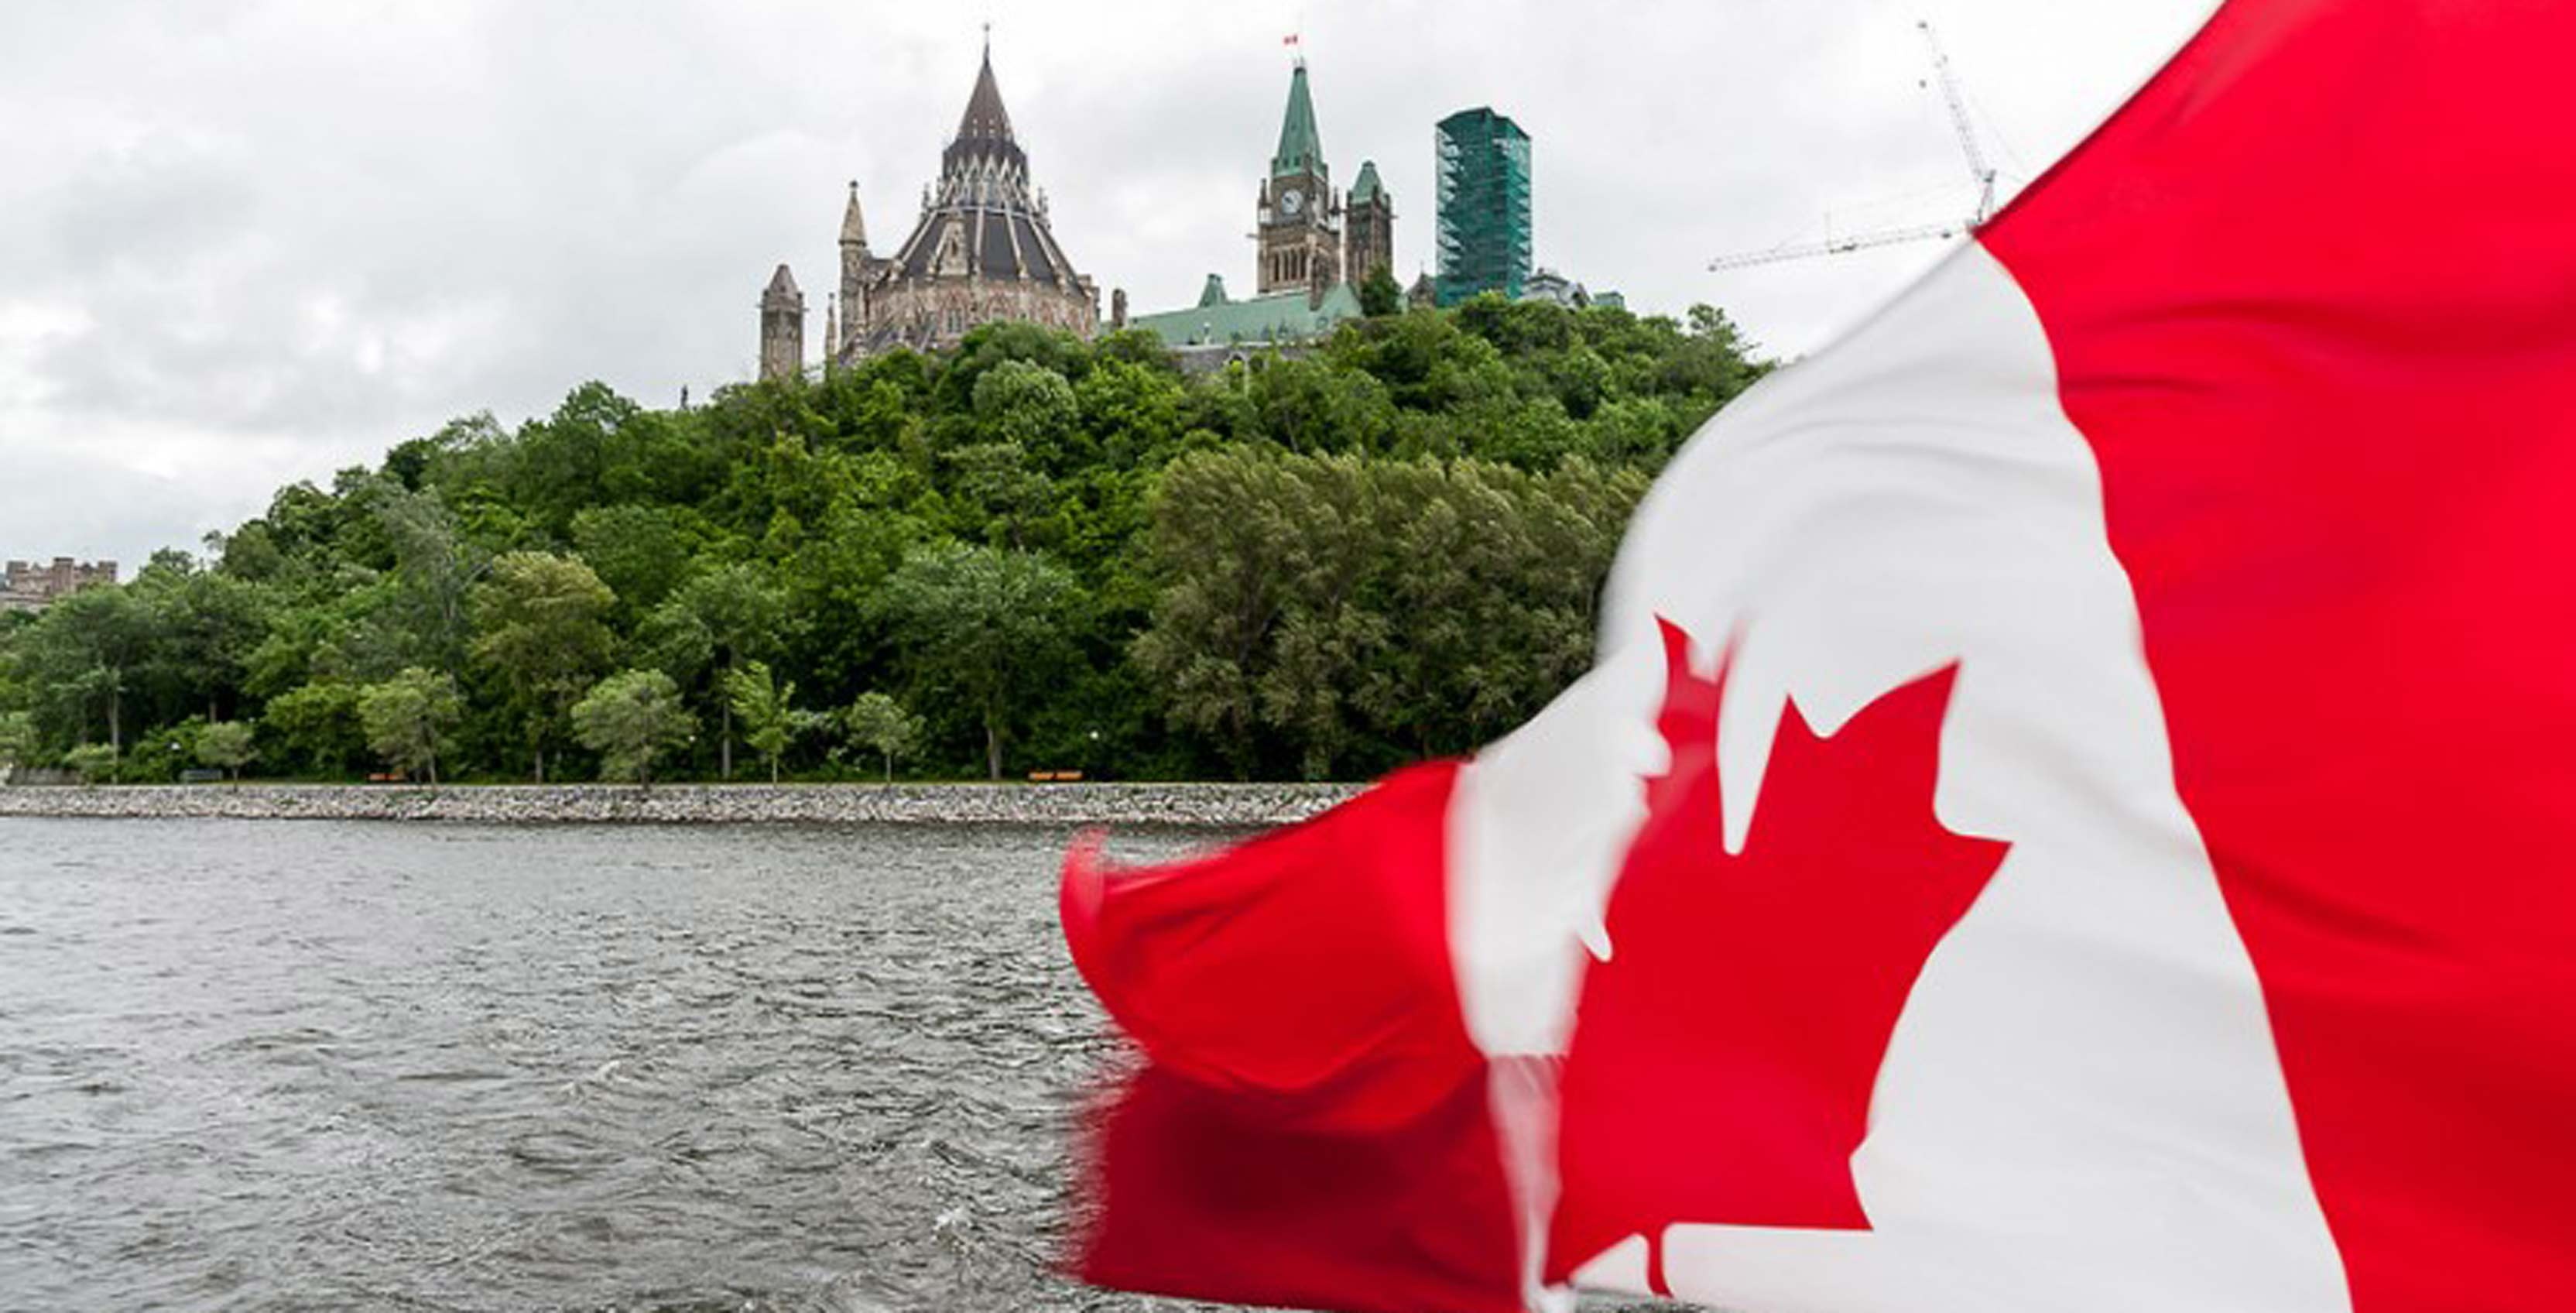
x=2313, y=299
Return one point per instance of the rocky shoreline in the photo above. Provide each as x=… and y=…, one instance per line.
x=1209, y=805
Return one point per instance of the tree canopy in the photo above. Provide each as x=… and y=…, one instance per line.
x=1044, y=553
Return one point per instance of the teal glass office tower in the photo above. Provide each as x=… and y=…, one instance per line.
x=1484, y=162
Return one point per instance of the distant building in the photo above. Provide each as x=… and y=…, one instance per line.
x=1368, y=226
x=1555, y=288
x=982, y=250
x=782, y=327
x=1313, y=247
x=1484, y=199
x=1299, y=215
x=1219, y=329
x=28, y=587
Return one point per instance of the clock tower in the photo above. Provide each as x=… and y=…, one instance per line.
x=1300, y=216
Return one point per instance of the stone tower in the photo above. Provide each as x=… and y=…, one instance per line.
x=1369, y=222
x=854, y=276
x=1300, y=218
x=782, y=328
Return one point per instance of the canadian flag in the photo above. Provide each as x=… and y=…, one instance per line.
x=2076, y=808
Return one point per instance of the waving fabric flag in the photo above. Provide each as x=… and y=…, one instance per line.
x=2076, y=807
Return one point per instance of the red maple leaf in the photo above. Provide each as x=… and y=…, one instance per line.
x=1724, y=1056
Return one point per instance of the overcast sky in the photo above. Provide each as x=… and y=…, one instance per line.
x=244, y=244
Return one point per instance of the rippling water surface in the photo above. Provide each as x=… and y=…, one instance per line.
x=319, y=1066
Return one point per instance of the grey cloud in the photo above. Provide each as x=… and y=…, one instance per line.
x=310, y=230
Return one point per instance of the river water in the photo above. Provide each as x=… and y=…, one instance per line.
x=305, y=1065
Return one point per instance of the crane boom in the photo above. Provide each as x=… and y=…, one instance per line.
x=1949, y=80
x=1835, y=246
x=1978, y=166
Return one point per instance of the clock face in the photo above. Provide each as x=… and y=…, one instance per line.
x=1292, y=201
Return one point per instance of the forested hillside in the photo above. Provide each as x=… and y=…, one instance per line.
x=1033, y=554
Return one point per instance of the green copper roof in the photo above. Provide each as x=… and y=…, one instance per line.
x=1367, y=187
x=1214, y=292
x=1279, y=317
x=1300, y=145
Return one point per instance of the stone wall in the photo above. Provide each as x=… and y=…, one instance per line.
x=31, y=587
x=1226, y=805
x=934, y=313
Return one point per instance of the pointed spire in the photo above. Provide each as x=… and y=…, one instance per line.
x=1213, y=293
x=1300, y=145
x=984, y=147
x=985, y=118
x=782, y=289
x=1367, y=186
x=854, y=227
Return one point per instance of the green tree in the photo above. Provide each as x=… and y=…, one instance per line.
x=1309, y=406
x=879, y=724
x=434, y=570
x=409, y=717
x=1131, y=410
x=17, y=740
x=226, y=745
x=315, y=728
x=205, y=627
x=1386, y=546
x=1001, y=490
x=540, y=622
x=714, y=623
x=986, y=623
x=1244, y=541
x=93, y=762
x=631, y=718
x=643, y=553
x=766, y=709
x=81, y=657
x=1380, y=294
x=1026, y=404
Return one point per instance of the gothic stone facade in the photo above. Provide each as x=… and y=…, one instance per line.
x=1316, y=246
x=1312, y=237
x=982, y=250
x=1368, y=227
x=782, y=327
x=1299, y=213
x=31, y=587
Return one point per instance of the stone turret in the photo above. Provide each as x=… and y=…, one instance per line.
x=782, y=328
x=854, y=279
x=1368, y=226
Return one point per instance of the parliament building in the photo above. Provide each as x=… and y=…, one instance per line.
x=1315, y=246
x=981, y=250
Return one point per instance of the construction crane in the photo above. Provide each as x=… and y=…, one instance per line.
x=1978, y=168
